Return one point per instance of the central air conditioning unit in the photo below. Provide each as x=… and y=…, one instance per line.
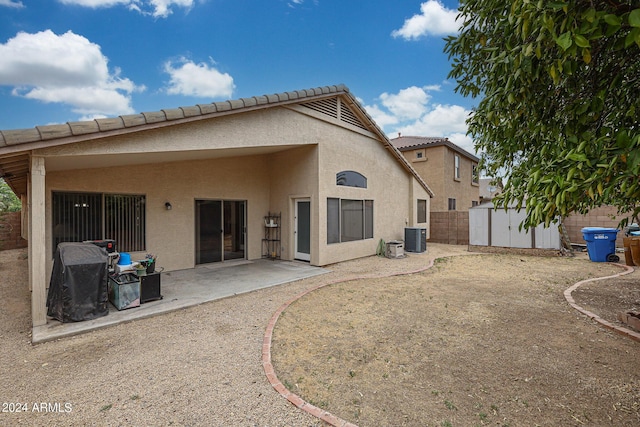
x=415, y=239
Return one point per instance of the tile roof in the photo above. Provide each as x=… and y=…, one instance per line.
x=405, y=143
x=9, y=138
x=415, y=141
x=15, y=145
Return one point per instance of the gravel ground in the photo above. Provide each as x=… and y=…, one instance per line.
x=194, y=367
x=476, y=340
x=199, y=366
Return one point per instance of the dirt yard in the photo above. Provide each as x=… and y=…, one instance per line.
x=476, y=340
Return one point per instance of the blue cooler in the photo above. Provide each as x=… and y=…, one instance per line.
x=601, y=242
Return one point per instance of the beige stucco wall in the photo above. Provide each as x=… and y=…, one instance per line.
x=268, y=158
x=171, y=234
x=437, y=168
x=238, y=175
x=234, y=133
x=393, y=189
x=293, y=176
x=388, y=184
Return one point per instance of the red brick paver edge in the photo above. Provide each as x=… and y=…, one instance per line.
x=619, y=329
x=266, y=352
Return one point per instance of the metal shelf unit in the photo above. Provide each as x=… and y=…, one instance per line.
x=271, y=241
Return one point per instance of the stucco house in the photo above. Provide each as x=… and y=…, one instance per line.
x=452, y=173
x=201, y=184
x=489, y=189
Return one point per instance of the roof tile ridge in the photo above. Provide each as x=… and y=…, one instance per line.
x=104, y=125
x=152, y=117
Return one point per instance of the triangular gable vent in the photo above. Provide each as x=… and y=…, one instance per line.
x=348, y=116
x=337, y=110
x=325, y=106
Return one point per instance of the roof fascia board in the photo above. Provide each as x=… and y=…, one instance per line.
x=462, y=151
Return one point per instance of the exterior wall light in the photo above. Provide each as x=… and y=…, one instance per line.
x=167, y=206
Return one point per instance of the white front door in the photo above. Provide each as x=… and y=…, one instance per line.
x=303, y=230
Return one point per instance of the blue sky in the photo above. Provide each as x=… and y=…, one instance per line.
x=70, y=60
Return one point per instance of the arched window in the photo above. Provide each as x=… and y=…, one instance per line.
x=351, y=179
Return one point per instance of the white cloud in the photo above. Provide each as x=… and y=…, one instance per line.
x=295, y=3
x=434, y=19
x=159, y=8
x=409, y=103
x=11, y=3
x=411, y=113
x=380, y=117
x=98, y=3
x=463, y=141
x=202, y=80
x=84, y=100
x=440, y=120
x=162, y=8
x=66, y=69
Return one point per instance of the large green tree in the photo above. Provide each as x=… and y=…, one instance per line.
x=8, y=201
x=558, y=85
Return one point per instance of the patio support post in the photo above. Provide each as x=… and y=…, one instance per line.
x=37, y=246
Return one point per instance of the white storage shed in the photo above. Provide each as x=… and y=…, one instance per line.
x=491, y=227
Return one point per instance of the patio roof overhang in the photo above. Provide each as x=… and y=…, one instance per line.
x=71, y=162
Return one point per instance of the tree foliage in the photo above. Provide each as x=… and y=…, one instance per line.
x=8, y=201
x=559, y=90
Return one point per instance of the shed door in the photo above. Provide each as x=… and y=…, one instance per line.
x=479, y=227
x=519, y=239
x=500, y=229
x=504, y=229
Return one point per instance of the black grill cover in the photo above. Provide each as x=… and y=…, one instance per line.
x=78, y=287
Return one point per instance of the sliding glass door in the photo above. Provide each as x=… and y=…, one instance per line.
x=220, y=230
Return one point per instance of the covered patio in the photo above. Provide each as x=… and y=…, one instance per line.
x=190, y=287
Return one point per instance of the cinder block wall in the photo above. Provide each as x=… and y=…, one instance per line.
x=10, y=231
x=599, y=217
x=451, y=227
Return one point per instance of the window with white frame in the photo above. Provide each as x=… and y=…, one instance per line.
x=349, y=220
x=77, y=217
x=475, y=179
x=456, y=166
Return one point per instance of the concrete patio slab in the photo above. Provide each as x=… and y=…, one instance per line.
x=186, y=288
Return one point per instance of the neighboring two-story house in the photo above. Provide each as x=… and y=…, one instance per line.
x=452, y=174
x=489, y=189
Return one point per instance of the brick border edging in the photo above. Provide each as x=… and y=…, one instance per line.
x=616, y=328
x=266, y=351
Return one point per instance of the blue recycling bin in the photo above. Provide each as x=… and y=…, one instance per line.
x=601, y=242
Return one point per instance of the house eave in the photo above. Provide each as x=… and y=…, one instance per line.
x=23, y=142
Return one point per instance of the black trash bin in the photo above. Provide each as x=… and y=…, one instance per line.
x=78, y=289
